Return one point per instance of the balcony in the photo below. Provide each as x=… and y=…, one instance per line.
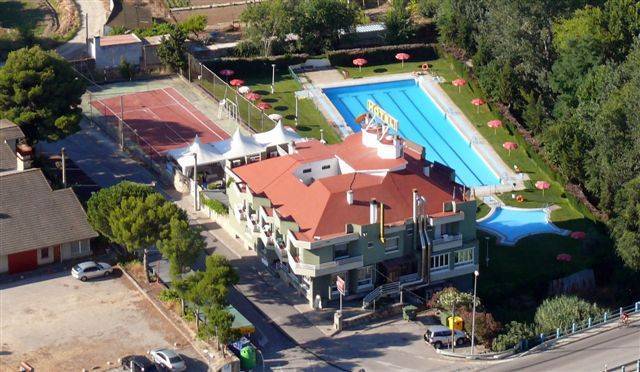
x=266, y=238
x=447, y=241
x=326, y=268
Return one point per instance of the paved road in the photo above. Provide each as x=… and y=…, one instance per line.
x=611, y=348
x=97, y=14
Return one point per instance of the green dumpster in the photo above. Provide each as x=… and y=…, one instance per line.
x=247, y=358
x=409, y=312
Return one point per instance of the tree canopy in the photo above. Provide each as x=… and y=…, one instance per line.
x=172, y=51
x=569, y=70
x=40, y=92
x=182, y=246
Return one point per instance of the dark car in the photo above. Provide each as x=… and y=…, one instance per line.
x=138, y=363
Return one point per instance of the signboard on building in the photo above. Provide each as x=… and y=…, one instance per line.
x=341, y=285
x=382, y=115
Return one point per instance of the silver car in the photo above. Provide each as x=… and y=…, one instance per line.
x=440, y=336
x=168, y=358
x=91, y=269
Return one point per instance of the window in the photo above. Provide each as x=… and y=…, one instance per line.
x=365, y=277
x=463, y=257
x=369, y=244
x=308, y=170
x=79, y=247
x=340, y=251
x=44, y=253
x=324, y=167
x=410, y=230
x=391, y=245
x=439, y=262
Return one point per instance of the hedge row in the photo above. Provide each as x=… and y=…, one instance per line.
x=383, y=55
x=249, y=65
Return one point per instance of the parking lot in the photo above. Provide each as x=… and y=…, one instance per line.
x=57, y=323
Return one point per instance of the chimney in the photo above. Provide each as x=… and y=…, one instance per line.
x=350, y=197
x=414, y=201
x=24, y=156
x=373, y=211
x=292, y=147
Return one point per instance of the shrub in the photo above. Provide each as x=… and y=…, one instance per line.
x=169, y=295
x=562, y=311
x=515, y=332
x=252, y=65
x=214, y=205
x=487, y=328
x=445, y=299
x=382, y=55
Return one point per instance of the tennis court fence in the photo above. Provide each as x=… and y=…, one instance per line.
x=125, y=135
x=236, y=104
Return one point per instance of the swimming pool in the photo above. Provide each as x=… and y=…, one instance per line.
x=420, y=121
x=511, y=224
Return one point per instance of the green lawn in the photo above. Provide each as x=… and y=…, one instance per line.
x=517, y=277
x=310, y=120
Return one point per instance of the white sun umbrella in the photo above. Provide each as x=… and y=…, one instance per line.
x=275, y=117
x=244, y=90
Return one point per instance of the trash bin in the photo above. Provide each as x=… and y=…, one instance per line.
x=247, y=358
x=409, y=312
x=455, y=322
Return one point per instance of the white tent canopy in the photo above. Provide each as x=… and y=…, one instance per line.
x=237, y=146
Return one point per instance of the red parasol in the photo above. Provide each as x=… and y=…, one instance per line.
x=495, y=124
x=227, y=72
x=263, y=106
x=458, y=83
x=542, y=185
x=510, y=146
x=566, y=257
x=359, y=62
x=402, y=57
x=253, y=96
x=478, y=102
x=579, y=235
x=236, y=82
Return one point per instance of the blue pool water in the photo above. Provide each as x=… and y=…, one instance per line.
x=420, y=121
x=512, y=224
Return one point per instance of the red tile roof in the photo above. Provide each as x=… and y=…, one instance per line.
x=321, y=209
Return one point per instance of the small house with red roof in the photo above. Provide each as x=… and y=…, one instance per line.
x=370, y=210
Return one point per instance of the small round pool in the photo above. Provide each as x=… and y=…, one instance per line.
x=511, y=224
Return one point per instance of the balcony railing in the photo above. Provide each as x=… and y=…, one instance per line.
x=300, y=268
x=444, y=238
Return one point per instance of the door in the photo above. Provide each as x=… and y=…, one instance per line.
x=23, y=261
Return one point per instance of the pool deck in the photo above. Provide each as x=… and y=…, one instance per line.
x=430, y=85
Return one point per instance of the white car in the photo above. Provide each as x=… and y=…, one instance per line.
x=168, y=359
x=440, y=336
x=91, y=269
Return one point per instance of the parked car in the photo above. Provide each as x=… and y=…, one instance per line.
x=440, y=336
x=138, y=363
x=168, y=359
x=91, y=269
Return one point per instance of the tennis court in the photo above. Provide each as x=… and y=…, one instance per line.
x=159, y=120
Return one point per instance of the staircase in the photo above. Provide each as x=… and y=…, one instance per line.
x=390, y=289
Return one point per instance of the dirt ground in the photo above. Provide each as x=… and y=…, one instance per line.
x=58, y=323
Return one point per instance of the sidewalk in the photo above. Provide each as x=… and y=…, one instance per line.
x=269, y=294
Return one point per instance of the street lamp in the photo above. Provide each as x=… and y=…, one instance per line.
x=273, y=77
x=261, y=357
x=486, y=239
x=473, y=315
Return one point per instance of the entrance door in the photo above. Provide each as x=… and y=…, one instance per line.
x=23, y=261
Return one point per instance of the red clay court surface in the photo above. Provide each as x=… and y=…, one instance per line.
x=163, y=118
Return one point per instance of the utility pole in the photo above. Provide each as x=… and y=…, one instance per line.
x=453, y=328
x=473, y=316
x=486, y=239
x=273, y=77
x=121, y=123
x=64, y=168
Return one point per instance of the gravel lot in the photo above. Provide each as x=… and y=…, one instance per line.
x=57, y=323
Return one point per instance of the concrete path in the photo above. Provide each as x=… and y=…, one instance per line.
x=97, y=13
